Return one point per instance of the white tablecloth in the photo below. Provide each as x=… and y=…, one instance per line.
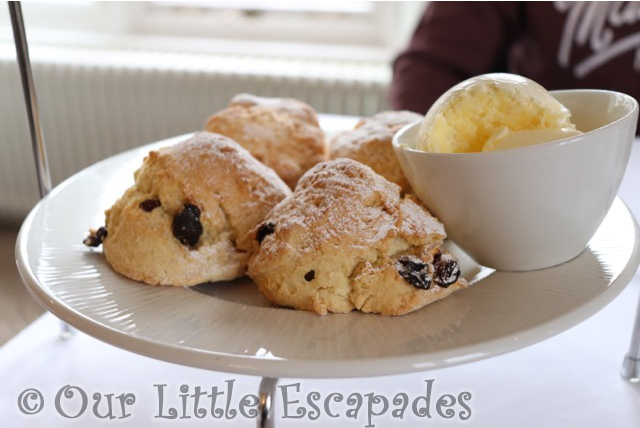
x=570, y=380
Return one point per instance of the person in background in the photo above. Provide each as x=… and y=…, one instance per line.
x=560, y=45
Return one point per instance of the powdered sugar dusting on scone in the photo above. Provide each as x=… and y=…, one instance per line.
x=370, y=143
x=341, y=217
x=393, y=120
x=281, y=133
x=191, y=206
x=293, y=107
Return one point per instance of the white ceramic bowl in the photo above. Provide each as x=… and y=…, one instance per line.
x=531, y=207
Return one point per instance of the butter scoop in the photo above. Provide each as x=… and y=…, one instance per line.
x=493, y=109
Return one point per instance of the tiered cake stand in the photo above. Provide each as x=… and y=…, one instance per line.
x=230, y=327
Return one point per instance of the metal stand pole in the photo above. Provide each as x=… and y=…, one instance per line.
x=631, y=364
x=33, y=114
x=267, y=399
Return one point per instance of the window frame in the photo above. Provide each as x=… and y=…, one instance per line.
x=372, y=36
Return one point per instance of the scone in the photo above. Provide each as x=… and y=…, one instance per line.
x=281, y=133
x=191, y=203
x=370, y=143
x=346, y=239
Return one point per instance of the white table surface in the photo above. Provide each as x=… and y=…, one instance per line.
x=570, y=380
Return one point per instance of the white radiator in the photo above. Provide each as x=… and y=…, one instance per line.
x=97, y=103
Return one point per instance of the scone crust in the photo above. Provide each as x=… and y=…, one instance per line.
x=336, y=239
x=233, y=192
x=370, y=143
x=392, y=119
x=282, y=133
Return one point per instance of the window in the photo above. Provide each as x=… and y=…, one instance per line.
x=348, y=29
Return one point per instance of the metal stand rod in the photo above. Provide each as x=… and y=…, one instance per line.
x=631, y=364
x=267, y=399
x=33, y=114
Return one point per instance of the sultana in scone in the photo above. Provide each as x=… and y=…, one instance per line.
x=191, y=203
x=281, y=133
x=346, y=239
x=370, y=143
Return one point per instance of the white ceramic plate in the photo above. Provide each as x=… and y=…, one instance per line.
x=230, y=327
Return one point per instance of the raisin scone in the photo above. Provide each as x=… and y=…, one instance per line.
x=346, y=239
x=370, y=143
x=191, y=203
x=282, y=133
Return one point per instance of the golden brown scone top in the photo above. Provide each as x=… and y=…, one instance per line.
x=290, y=106
x=213, y=169
x=343, y=202
x=208, y=177
x=281, y=133
x=370, y=143
x=333, y=245
x=393, y=119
